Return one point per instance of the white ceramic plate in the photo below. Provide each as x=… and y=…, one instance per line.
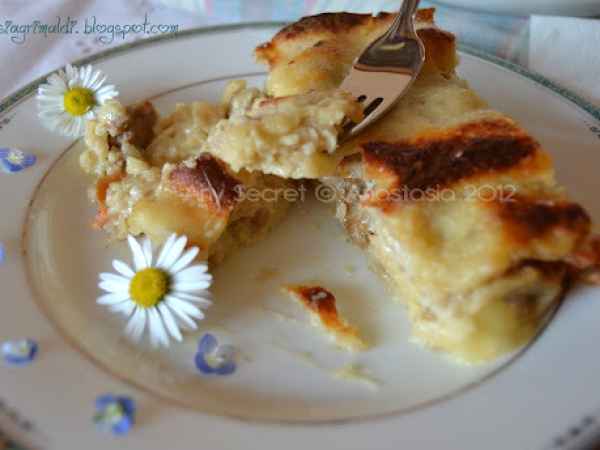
x=283, y=394
x=526, y=7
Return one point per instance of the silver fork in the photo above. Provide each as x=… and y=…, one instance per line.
x=386, y=69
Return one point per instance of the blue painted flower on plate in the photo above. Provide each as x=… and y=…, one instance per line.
x=213, y=358
x=115, y=414
x=19, y=352
x=13, y=160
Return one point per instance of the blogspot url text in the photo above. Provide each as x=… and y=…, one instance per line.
x=107, y=32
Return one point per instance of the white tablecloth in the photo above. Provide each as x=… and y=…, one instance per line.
x=23, y=62
x=563, y=49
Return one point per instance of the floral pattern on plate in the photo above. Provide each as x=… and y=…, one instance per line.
x=13, y=160
x=19, y=352
x=115, y=414
x=213, y=358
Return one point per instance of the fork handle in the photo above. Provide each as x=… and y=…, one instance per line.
x=404, y=23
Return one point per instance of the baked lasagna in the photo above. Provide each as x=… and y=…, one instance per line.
x=455, y=203
x=151, y=176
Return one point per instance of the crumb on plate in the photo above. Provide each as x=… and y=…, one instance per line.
x=321, y=304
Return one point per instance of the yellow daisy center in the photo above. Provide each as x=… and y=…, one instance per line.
x=148, y=287
x=79, y=100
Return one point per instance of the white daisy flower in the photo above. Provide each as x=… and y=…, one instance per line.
x=161, y=296
x=72, y=96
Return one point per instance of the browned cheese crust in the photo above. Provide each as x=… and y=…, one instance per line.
x=353, y=30
x=208, y=183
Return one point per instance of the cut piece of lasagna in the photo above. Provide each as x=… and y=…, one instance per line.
x=456, y=204
x=292, y=137
x=151, y=176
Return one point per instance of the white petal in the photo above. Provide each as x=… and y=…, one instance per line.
x=125, y=308
x=111, y=299
x=191, y=287
x=56, y=80
x=81, y=76
x=183, y=306
x=182, y=317
x=185, y=259
x=50, y=102
x=147, y=249
x=97, y=81
x=137, y=323
x=112, y=277
x=47, y=105
x=48, y=110
x=114, y=287
x=203, y=300
x=52, y=87
x=163, y=334
x=158, y=334
x=169, y=321
x=139, y=261
x=166, y=248
x=68, y=131
x=193, y=273
x=79, y=126
x=51, y=123
x=123, y=268
x=99, y=88
x=66, y=128
x=92, y=81
x=61, y=119
x=64, y=124
x=49, y=116
x=85, y=76
x=175, y=252
x=151, y=334
x=50, y=94
x=91, y=78
x=106, y=93
x=72, y=73
x=131, y=324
